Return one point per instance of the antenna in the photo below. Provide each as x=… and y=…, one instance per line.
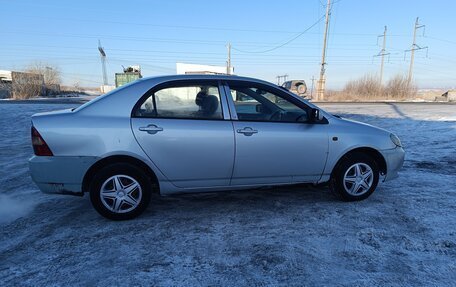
x=103, y=63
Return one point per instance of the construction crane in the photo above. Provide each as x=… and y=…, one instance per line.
x=103, y=63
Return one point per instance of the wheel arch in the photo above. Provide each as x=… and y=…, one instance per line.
x=375, y=154
x=118, y=159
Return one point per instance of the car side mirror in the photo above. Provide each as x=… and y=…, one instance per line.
x=315, y=115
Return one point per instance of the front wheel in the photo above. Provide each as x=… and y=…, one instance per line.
x=355, y=178
x=120, y=191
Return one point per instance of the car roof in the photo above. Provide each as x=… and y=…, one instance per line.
x=127, y=95
x=166, y=78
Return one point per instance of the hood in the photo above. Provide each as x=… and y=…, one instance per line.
x=361, y=126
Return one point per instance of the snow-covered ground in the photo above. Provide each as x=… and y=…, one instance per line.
x=404, y=234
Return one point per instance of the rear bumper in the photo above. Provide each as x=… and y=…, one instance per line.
x=60, y=174
x=394, y=160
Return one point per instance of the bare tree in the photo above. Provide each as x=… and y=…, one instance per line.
x=51, y=75
x=368, y=88
x=399, y=87
x=26, y=85
x=5, y=89
x=77, y=86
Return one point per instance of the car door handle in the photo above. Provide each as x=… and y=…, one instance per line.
x=151, y=129
x=248, y=131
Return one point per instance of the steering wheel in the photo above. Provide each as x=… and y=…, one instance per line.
x=276, y=116
x=301, y=117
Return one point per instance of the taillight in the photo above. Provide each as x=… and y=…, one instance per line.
x=40, y=147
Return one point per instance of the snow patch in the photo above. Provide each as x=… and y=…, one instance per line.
x=12, y=209
x=447, y=119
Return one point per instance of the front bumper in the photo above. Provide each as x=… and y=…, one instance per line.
x=394, y=160
x=60, y=174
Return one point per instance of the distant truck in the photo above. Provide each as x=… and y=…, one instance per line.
x=297, y=87
x=129, y=75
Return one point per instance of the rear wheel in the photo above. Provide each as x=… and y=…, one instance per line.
x=120, y=191
x=355, y=177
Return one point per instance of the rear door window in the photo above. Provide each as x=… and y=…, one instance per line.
x=183, y=102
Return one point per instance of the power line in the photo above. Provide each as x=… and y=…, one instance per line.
x=167, y=40
x=442, y=40
x=8, y=47
x=210, y=28
x=287, y=42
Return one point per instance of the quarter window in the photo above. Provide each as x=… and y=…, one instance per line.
x=184, y=102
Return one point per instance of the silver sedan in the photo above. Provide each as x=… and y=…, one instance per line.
x=197, y=133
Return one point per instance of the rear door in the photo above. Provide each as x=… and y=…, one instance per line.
x=274, y=141
x=184, y=128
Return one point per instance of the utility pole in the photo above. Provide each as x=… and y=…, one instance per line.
x=383, y=51
x=228, y=61
x=103, y=63
x=412, y=50
x=382, y=54
x=312, y=87
x=322, y=80
x=284, y=77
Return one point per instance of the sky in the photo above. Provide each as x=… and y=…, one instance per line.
x=157, y=34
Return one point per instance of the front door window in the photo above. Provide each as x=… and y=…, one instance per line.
x=257, y=104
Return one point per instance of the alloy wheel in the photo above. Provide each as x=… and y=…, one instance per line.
x=358, y=179
x=121, y=193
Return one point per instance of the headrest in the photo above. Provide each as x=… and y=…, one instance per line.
x=199, y=98
x=209, y=104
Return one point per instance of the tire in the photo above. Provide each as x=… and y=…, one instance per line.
x=301, y=89
x=120, y=191
x=350, y=180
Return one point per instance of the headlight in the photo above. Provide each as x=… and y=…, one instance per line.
x=395, y=140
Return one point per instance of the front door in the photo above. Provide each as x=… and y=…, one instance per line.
x=274, y=141
x=183, y=130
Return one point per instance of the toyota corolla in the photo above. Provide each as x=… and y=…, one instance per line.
x=197, y=133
